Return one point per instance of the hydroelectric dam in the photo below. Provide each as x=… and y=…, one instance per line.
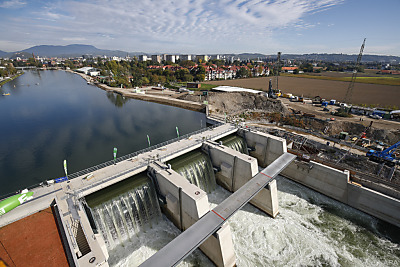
x=110, y=205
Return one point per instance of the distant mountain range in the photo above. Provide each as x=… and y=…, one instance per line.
x=76, y=50
x=3, y=54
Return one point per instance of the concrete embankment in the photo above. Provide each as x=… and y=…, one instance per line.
x=156, y=99
x=151, y=98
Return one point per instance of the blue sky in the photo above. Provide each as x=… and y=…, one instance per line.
x=204, y=26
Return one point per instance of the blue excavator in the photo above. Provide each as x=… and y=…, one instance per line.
x=385, y=156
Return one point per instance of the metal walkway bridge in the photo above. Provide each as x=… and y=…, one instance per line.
x=179, y=248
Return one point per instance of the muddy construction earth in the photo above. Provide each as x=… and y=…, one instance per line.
x=236, y=102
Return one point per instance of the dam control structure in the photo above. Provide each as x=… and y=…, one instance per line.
x=101, y=207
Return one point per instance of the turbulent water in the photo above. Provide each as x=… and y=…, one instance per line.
x=311, y=230
x=197, y=168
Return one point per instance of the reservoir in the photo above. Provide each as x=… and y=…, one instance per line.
x=64, y=118
x=54, y=115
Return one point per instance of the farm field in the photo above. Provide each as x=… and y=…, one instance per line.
x=383, y=80
x=363, y=93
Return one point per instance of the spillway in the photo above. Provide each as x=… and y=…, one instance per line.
x=311, y=230
x=235, y=142
x=122, y=211
x=197, y=168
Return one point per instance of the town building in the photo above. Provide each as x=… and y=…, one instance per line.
x=170, y=58
x=156, y=58
x=203, y=58
x=142, y=58
x=186, y=57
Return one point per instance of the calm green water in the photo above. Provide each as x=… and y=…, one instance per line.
x=64, y=118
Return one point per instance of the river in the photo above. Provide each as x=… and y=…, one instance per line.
x=58, y=116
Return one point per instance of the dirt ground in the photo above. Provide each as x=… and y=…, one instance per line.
x=307, y=108
x=384, y=95
x=236, y=102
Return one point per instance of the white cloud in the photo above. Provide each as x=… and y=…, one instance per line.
x=74, y=39
x=12, y=4
x=173, y=24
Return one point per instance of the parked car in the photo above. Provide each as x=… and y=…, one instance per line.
x=375, y=117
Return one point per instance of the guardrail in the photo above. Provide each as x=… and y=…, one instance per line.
x=111, y=162
x=163, y=158
x=132, y=155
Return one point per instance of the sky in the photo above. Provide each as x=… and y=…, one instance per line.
x=204, y=26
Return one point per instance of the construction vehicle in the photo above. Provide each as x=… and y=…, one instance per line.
x=385, y=156
x=363, y=135
x=318, y=100
x=271, y=93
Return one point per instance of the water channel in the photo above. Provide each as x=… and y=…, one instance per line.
x=50, y=116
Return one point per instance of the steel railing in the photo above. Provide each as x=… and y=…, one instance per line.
x=163, y=158
x=126, y=157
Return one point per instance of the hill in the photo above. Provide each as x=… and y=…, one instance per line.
x=75, y=50
x=3, y=54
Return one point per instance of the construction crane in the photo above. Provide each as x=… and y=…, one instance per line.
x=361, y=137
x=385, y=156
x=277, y=67
x=349, y=92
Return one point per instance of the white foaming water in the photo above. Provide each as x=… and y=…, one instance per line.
x=136, y=251
x=311, y=230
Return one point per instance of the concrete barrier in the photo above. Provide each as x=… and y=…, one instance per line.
x=329, y=181
x=265, y=147
x=326, y=180
x=235, y=170
x=186, y=204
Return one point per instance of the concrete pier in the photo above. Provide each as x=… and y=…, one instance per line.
x=186, y=204
x=235, y=170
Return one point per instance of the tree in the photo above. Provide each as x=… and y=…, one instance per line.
x=260, y=70
x=243, y=72
x=296, y=71
x=200, y=77
x=136, y=79
x=145, y=80
x=201, y=70
x=188, y=78
x=187, y=63
x=180, y=74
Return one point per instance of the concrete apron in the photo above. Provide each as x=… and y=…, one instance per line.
x=185, y=205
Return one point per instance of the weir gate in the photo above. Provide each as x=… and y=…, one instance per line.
x=92, y=220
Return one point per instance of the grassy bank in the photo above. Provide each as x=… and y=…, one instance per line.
x=372, y=80
x=12, y=78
